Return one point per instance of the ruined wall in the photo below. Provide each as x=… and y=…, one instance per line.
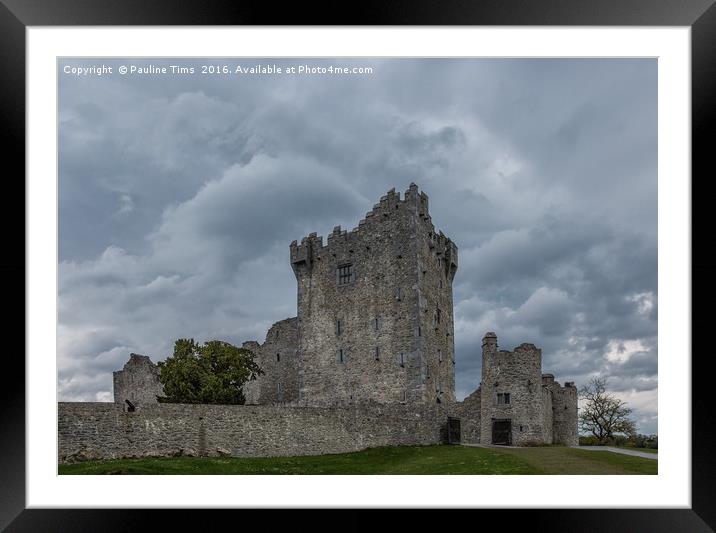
x=138, y=381
x=372, y=337
x=519, y=374
x=469, y=413
x=105, y=431
x=278, y=358
x=564, y=408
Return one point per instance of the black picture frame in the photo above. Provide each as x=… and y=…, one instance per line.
x=699, y=15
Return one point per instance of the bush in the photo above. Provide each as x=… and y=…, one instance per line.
x=212, y=373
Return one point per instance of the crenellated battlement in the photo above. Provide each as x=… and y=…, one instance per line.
x=390, y=206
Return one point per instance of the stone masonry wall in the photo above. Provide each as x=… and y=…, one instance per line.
x=469, y=413
x=372, y=338
x=436, y=268
x=278, y=358
x=564, y=407
x=519, y=374
x=106, y=431
x=548, y=423
x=138, y=381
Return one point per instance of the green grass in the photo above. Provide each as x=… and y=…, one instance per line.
x=647, y=450
x=565, y=461
x=390, y=460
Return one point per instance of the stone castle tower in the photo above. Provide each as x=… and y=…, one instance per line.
x=519, y=404
x=375, y=310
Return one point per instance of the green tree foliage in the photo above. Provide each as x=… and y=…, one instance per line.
x=602, y=414
x=211, y=373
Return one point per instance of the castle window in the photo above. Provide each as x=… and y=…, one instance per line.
x=420, y=331
x=278, y=357
x=440, y=356
x=404, y=396
x=278, y=388
x=338, y=327
x=375, y=324
x=345, y=274
x=503, y=398
x=437, y=316
x=341, y=356
x=398, y=294
x=402, y=359
x=377, y=353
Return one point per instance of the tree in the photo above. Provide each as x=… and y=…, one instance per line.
x=602, y=414
x=213, y=373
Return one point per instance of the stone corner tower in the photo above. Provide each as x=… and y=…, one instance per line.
x=375, y=308
x=512, y=405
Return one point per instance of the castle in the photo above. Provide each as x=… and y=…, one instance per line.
x=372, y=340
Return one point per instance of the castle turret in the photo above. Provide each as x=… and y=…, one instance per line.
x=489, y=342
x=511, y=394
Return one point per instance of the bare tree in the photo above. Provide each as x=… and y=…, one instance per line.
x=602, y=414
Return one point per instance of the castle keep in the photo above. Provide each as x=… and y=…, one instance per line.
x=369, y=360
x=375, y=308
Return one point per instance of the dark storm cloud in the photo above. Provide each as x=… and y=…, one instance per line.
x=178, y=198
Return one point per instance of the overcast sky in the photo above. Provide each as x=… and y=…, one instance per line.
x=179, y=196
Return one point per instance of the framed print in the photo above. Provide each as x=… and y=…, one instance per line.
x=187, y=156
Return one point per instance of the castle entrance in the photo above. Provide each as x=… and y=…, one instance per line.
x=502, y=432
x=453, y=430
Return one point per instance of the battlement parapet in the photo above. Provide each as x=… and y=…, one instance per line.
x=526, y=346
x=311, y=247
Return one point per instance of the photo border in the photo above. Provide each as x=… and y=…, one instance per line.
x=700, y=15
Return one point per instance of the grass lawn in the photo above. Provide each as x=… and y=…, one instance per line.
x=647, y=450
x=561, y=460
x=390, y=460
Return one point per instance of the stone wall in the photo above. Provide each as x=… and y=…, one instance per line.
x=519, y=374
x=374, y=336
x=469, y=413
x=436, y=268
x=564, y=403
x=548, y=423
x=138, y=381
x=106, y=431
x=278, y=358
